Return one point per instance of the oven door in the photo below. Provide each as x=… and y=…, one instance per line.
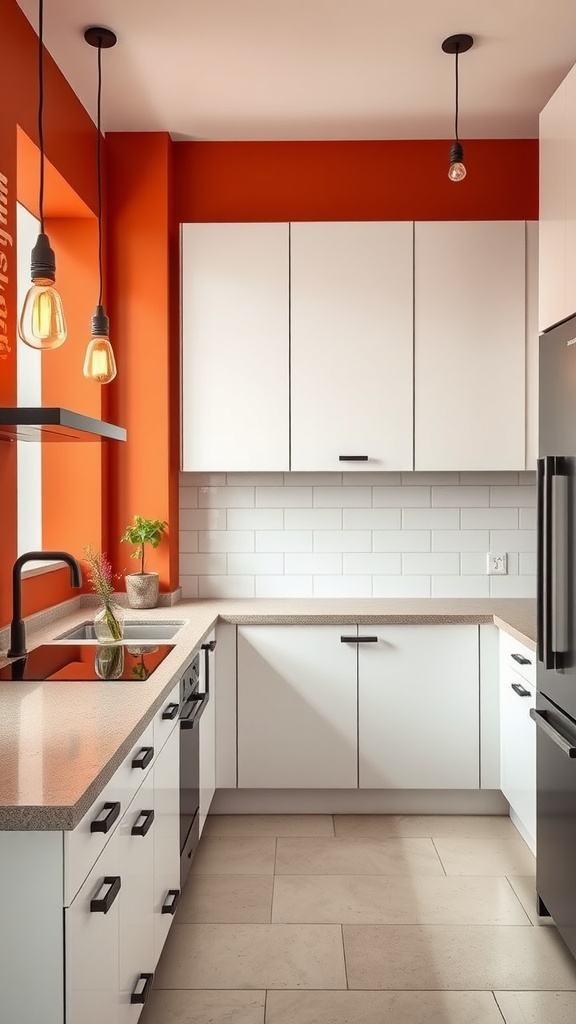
x=556, y=816
x=192, y=711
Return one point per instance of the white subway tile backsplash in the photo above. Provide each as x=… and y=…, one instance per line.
x=489, y=518
x=256, y=564
x=401, y=540
x=460, y=540
x=421, y=564
x=373, y=564
x=255, y=518
x=284, y=540
x=528, y=518
x=512, y=540
x=342, y=586
x=284, y=586
x=401, y=586
x=372, y=518
x=460, y=497
x=355, y=534
x=342, y=497
x=226, y=540
x=342, y=540
x=460, y=586
x=226, y=586
x=225, y=497
x=401, y=497
x=283, y=497
x=430, y=518
x=313, y=564
x=203, y=519
x=520, y=497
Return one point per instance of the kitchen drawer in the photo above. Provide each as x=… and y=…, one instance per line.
x=82, y=845
x=166, y=718
x=517, y=656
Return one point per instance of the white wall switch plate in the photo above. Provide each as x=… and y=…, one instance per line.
x=497, y=565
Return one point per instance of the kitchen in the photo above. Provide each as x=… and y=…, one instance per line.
x=371, y=536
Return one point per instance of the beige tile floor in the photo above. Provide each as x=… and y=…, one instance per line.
x=362, y=919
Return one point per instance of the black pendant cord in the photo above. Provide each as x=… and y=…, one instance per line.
x=99, y=171
x=456, y=105
x=41, y=109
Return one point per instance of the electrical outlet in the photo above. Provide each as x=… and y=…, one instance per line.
x=497, y=565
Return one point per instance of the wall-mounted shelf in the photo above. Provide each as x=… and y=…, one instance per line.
x=55, y=424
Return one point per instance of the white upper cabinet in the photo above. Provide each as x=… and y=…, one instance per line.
x=351, y=346
x=235, y=351
x=570, y=173
x=553, y=212
x=470, y=345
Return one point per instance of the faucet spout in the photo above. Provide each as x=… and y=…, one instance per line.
x=17, y=629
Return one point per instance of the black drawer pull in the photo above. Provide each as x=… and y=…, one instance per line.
x=143, y=757
x=106, y=818
x=521, y=659
x=170, y=712
x=102, y=904
x=210, y=646
x=142, y=990
x=358, y=639
x=140, y=828
x=541, y=719
x=353, y=458
x=520, y=690
x=171, y=902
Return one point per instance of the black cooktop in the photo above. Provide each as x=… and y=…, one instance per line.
x=133, y=662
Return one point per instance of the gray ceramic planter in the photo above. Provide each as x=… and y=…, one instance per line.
x=142, y=589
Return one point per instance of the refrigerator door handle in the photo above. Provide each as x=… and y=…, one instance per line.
x=559, y=595
x=544, y=595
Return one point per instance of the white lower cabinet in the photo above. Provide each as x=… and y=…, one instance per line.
x=518, y=737
x=207, y=737
x=297, y=708
x=418, y=705
x=136, y=902
x=166, y=839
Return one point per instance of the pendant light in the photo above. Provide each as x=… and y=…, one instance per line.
x=456, y=45
x=42, y=324
x=99, y=362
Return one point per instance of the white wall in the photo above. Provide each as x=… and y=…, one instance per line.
x=356, y=534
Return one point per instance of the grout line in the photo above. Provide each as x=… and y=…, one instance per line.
x=498, y=1007
x=519, y=900
x=265, y=1005
x=439, y=857
x=344, y=955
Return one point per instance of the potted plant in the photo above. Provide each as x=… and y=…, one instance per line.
x=142, y=587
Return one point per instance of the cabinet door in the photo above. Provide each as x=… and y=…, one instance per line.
x=552, y=286
x=351, y=306
x=136, y=854
x=166, y=838
x=518, y=750
x=570, y=173
x=297, y=698
x=418, y=708
x=235, y=404
x=207, y=738
x=92, y=944
x=470, y=342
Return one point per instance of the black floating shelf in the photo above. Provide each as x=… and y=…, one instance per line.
x=54, y=424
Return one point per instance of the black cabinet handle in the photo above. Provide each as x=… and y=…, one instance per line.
x=141, y=827
x=210, y=646
x=520, y=690
x=102, y=904
x=143, y=757
x=142, y=990
x=358, y=639
x=106, y=818
x=521, y=659
x=353, y=458
x=170, y=712
x=171, y=902
x=541, y=719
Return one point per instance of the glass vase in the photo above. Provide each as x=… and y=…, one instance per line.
x=109, y=623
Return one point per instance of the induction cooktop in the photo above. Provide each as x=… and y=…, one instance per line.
x=82, y=662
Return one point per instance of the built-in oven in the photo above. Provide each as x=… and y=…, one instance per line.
x=194, y=696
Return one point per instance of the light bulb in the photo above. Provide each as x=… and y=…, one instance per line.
x=457, y=172
x=99, y=361
x=42, y=324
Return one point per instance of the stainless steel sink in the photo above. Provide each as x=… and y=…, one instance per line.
x=137, y=629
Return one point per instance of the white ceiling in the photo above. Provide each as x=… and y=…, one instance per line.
x=314, y=69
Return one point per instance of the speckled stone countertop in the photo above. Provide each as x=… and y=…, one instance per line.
x=61, y=741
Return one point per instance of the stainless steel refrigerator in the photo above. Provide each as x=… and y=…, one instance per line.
x=555, y=712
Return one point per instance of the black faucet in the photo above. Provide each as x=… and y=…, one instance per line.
x=17, y=628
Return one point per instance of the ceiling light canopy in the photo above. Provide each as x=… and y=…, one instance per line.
x=456, y=45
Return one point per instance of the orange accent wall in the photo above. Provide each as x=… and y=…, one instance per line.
x=382, y=180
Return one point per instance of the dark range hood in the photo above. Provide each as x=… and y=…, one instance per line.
x=54, y=424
